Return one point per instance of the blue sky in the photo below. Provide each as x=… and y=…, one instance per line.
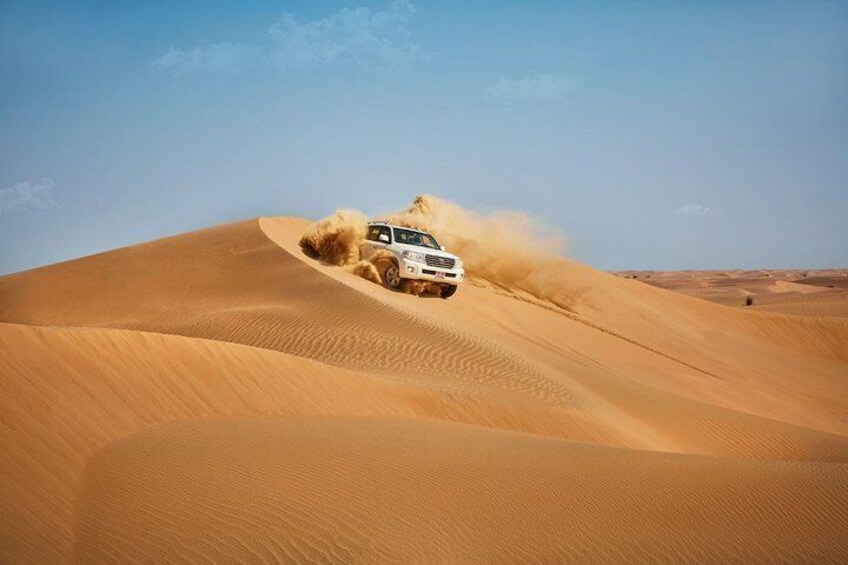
x=654, y=134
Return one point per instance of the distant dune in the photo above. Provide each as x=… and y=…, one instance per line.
x=219, y=396
x=822, y=292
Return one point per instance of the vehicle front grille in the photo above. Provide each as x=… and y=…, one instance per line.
x=436, y=261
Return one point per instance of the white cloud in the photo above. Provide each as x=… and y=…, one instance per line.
x=692, y=210
x=546, y=86
x=350, y=36
x=357, y=36
x=213, y=59
x=28, y=197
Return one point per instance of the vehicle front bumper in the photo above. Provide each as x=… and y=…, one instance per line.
x=420, y=271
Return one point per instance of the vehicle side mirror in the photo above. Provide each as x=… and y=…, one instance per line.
x=442, y=247
x=384, y=237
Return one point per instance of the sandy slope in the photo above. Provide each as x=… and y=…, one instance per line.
x=219, y=396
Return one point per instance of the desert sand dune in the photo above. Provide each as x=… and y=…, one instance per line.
x=693, y=342
x=388, y=490
x=821, y=292
x=820, y=304
x=219, y=396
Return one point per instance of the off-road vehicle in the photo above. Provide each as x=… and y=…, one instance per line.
x=415, y=255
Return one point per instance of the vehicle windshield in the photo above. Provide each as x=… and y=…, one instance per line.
x=418, y=238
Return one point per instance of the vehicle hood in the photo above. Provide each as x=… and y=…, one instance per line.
x=427, y=251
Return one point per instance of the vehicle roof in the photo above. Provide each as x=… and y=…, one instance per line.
x=382, y=223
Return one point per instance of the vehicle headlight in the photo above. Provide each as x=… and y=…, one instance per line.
x=459, y=263
x=414, y=256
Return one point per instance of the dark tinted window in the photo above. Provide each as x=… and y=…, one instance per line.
x=375, y=231
x=411, y=237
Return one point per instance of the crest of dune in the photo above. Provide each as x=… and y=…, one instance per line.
x=507, y=248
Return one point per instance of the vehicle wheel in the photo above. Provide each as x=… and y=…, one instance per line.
x=392, y=277
x=448, y=290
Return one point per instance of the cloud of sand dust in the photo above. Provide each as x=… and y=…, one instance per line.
x=336, y=239
x=507, y=248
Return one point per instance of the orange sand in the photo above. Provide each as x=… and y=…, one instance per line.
x=220, y=397
x=821, y=292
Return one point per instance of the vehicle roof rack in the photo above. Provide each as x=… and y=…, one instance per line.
x=384, y=223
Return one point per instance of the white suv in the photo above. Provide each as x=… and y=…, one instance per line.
x=416, y=255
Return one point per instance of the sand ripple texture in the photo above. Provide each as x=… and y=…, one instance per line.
x=219, y=397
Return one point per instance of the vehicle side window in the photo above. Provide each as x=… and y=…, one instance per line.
x=374, y=233
x=404, y=236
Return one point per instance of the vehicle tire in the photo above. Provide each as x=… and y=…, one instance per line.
x=448, y=290
x=392, y=277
